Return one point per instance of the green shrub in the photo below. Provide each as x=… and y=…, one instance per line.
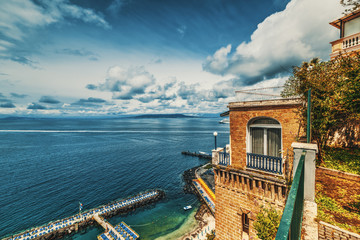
x=267, y=223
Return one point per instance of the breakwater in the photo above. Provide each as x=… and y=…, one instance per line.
x=188, y=177
x=72, y=224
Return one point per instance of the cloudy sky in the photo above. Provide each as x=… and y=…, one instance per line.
x=112, y=57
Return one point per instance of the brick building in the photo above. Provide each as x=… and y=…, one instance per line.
x=252, y=170
x=349, y=28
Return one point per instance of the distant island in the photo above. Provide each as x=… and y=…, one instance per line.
x=164, y=116
x=44, y=117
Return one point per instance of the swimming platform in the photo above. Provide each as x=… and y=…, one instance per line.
x=60, y=228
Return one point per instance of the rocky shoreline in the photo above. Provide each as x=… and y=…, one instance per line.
x=203, y=215
x=188, y=176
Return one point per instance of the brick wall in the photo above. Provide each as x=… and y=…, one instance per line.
x=285, y=113
x=329, y=232
x=339, y=174
x=239, y=192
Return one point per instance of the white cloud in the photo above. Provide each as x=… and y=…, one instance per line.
x=76, y=12
x=284, y=39
x=22, y=19
x=17, y=15
x=219, y=61
x=127, y=83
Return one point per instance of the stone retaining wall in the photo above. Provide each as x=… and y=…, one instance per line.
x=328, y=231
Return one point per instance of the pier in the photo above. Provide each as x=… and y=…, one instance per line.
x=199, y=154
x=60, y=228
x=120, y=232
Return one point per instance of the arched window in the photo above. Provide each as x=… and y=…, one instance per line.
x=265, y=137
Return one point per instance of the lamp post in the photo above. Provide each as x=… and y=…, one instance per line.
x=215, y=134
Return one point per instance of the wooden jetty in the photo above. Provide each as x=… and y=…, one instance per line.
x=199, y=155
x=60, y=228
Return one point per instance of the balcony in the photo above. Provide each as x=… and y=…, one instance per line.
x=221, y=156
x=346, y=44
x=351, y=41
x=264, y=163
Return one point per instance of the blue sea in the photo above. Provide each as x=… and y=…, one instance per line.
x=48, y=166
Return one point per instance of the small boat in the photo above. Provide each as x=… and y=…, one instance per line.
x=187, y=207
x=203, y=153
x=225, y=121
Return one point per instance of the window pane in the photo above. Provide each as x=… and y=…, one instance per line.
x=257, y=140
x=274, y=142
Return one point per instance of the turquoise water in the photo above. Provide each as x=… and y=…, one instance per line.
x=49, y=165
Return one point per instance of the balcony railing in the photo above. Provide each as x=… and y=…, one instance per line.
x=224, y=158
x=291, y=220
x=351, y=41
x=264, y=163
x=221, y=156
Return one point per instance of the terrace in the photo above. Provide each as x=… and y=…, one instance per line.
x=269, y=164
x=345, y=45
x=349, y=29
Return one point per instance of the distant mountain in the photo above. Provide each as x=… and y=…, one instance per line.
x=163, y=116
x=15, y=118
x=177, y=115
x=207, y=115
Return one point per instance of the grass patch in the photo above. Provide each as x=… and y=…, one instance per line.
x=331, y=212
x=347, y=160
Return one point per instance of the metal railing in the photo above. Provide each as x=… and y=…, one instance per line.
x=264, y=163
x=224, y=158
x=291, y=220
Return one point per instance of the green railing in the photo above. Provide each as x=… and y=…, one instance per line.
x=291, y=220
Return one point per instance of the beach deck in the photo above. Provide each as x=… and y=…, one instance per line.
x=71, y=224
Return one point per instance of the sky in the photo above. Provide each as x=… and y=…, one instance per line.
x=118, y=57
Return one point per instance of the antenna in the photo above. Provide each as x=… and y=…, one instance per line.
x=254, y=91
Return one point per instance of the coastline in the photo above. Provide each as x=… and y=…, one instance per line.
x=197, y=225
x=206, y=223
x=187, y=226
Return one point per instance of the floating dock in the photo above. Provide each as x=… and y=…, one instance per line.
x=60, y=228
x=199, y=155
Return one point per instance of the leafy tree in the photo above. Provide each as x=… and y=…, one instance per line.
x=267, y=223
x=353, y=4
x=335, y=98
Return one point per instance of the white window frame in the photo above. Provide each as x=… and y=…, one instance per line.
x=262, y=126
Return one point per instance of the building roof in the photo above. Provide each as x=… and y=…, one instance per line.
x=265, y=103
x=224, y=114
x=345, y=18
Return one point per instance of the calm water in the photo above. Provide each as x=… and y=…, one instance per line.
x=49, y=165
